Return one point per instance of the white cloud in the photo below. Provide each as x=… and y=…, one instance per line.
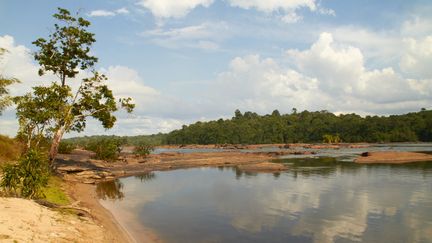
x=287, y=8
x=327, y=76
x=173, y=9
x=417, y=59
x=107, y=13
x=416, y=27
x=291, y=17
x=203, y=36
x=274, y=5
x=122, y=11
x=385, y=47
x=101, y=13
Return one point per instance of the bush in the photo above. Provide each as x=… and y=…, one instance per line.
x=65, y=147
x=143, y=149
x=28, y=177
x=105, y=149
x=10, y=149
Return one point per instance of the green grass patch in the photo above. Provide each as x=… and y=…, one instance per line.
x=54, y=192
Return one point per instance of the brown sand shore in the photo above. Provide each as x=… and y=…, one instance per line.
x=26, y=221
x=393, y=157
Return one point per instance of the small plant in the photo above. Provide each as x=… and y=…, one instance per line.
x=66, y=147
x=143, y=149
x=28, y=177
x=328, y=138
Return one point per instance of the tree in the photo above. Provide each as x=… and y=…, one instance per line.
x=51, y=111
x=5, y=98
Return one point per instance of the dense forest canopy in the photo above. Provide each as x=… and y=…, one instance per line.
x=305, y=126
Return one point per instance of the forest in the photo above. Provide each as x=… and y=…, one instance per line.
x=307, y=127
x=296, y=127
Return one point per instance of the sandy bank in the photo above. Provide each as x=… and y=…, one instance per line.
x=26, y=221
x=392, y=157
x=85, y=196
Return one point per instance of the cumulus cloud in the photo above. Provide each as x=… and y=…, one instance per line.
x=327, y=76
x=172, y=9
x=107, y=13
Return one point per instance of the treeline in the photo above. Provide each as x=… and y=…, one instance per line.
x=306, y=126
x=154, y=139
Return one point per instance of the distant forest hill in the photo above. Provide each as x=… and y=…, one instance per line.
x=305, y=126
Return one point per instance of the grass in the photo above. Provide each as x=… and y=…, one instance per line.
x=54, y=192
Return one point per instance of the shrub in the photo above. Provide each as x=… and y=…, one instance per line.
x=65, y=147
x=28, y=177
x=10, y=149
x=143, y=149
x=105, y=149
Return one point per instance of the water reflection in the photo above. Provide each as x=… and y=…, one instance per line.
x=110, y=190
x=321, y=200
x=113, y=190
x=146, y=177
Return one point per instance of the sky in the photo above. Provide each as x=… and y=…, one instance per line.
x=188, y=60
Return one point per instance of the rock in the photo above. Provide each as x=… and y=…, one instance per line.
x=71, y=169
x=365, y=154
x=88, y=181
x=262, y=167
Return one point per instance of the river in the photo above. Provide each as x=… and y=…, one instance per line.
x=319, y=199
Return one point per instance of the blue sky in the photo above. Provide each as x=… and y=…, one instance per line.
x=189, y=60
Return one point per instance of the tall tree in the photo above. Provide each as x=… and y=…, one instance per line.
x=51, y=111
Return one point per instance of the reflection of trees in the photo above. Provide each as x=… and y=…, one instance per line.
x=110, y=190
x=146, y=177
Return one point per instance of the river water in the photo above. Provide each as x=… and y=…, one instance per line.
x=323, y=199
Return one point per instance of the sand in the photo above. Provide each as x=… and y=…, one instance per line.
x=26, y=221
x=392, y=157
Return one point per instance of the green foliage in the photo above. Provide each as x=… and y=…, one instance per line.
x=106, y=148
x=51, y=111
x=143, y=149
x=66, y=147
x=67, y=48
x=306, y=126
x=153, y=140
x=26, y=178
x=328, y=138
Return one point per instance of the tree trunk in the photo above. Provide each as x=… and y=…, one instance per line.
x=55, y=144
